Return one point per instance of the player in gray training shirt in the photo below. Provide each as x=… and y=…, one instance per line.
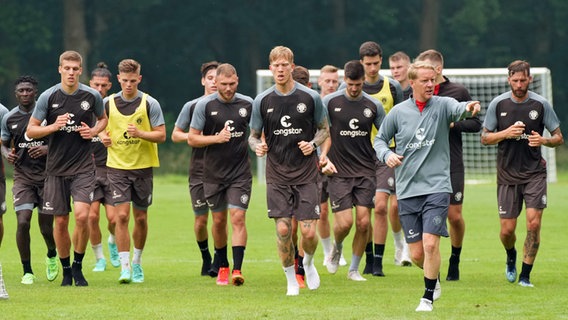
x=420, y=127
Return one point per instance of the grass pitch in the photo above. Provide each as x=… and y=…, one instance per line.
x=175, y=290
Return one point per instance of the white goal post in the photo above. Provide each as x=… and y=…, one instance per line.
x=483, y=85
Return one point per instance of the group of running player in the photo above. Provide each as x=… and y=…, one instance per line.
x=392, y=145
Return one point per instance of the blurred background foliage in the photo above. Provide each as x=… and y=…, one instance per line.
x=172, y=38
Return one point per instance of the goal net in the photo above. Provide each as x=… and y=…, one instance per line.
x=483, y=85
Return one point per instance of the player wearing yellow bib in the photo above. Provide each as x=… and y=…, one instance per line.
x=136, y=125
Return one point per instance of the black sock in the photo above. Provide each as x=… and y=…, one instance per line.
x=238, y=257
x=455, y=257
x=78, y=258
x=222, y=255
x=300, y=266
x=51, y=253
x=379, y=251
x=526, y=271
x=27, y=266
x=204, y=248
x=66, y=266
x=511, y=256
x=430, y=286
x=369, y=252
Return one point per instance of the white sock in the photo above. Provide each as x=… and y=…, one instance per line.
x=398, y=238
x=111, y=239
x=124, y=260
x=98, y=250
x=326, y=244
x=308, y=259
x=355, y=261
x=291, y=275
x=137, y=256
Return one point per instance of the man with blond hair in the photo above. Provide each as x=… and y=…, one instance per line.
x=421, y=159
x=294, y=124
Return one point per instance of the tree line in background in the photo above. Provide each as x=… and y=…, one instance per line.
x=172, y=38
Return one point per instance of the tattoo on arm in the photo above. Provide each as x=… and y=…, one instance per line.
x=322, y=133
x=254, y=139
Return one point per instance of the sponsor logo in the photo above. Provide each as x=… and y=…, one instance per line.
x=317, y=210
x=285, y=122
x=150, y=198
x=412, y=234
x=301, y=107
x=14, y=126
x=503, y=114
x=353, y=124
x=55, y=105
x=199, y=204
x=231, y=129
x=115, y=194
x=47, y=206
x=334, y=205
x=337, y=109
x=421, y=136
x=91, y=195
x=543, y=200
x=214, y=113
x=127, y=140
x=269, y=110
x=533, y=114
x=501, y=211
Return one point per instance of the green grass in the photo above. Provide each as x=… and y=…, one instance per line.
x=175, y=290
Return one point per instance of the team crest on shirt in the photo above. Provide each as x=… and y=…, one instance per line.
x=420, y=134
x=301, y=107
x=85, y=105
x=533, y=114
x=367, y=113
x=243, y=112
x=384, y=100
x=139, y=121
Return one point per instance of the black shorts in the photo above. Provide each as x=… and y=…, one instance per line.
x=27, y=196
x=228, y=195
x=299, y=201
x=102, y=187
x=385, y=179
x=457, y=179
x=323, y=182
x=424, y=214
x=58, y=191
x=197, y=197
x=348, y=192
x=131, y=185
x=510, y=197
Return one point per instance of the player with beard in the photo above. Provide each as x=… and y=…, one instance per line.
x=515, y=121
x=219, y=125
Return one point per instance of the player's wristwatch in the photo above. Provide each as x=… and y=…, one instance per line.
x=314, y=145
